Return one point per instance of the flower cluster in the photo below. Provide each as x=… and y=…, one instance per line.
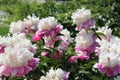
x=16, y=55
x=47, y=29
x=17, y=52
x=85, y=39
x=52, y=33
x=57, y=74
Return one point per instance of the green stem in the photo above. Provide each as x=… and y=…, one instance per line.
x=10, y=78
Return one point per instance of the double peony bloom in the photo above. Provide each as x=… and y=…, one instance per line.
x=57, y=74
x=16, y=55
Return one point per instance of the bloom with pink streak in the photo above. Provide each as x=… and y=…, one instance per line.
x=18, y=71
x=52, y=32
x=82, y=18
x=85, y=42
x=108, y=62
x=17, y=61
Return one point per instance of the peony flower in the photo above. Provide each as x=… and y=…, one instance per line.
x=108, y=63
x=16, y=27
x=82, y=17
x=85, y=44
x=16, y=55
x=58, y=74
x=109, y=54
x=85, y=40
x=17, y=61
x=47, y=23
x=31, y=22
x=17, y=39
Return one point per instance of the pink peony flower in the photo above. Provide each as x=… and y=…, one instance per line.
x=73, y=59
x=17, y=58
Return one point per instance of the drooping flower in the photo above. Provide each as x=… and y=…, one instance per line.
x=82, y=17
x=57, y=74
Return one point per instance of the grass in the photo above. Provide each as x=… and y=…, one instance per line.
x=4, y=30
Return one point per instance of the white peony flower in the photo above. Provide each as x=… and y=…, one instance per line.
x=109, y=51
x=108, y=59
x=52, y=74
x=81, y=16
x=15, y=56
x=3, y=41
x=43, y=78
x=109, y=46
x=47, y=23
x=31, y=21
x=84, y=39
x=16, y=27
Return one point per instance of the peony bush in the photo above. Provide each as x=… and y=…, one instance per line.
x=41, y=49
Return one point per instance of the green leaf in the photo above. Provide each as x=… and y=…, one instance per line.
x=57, y=43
